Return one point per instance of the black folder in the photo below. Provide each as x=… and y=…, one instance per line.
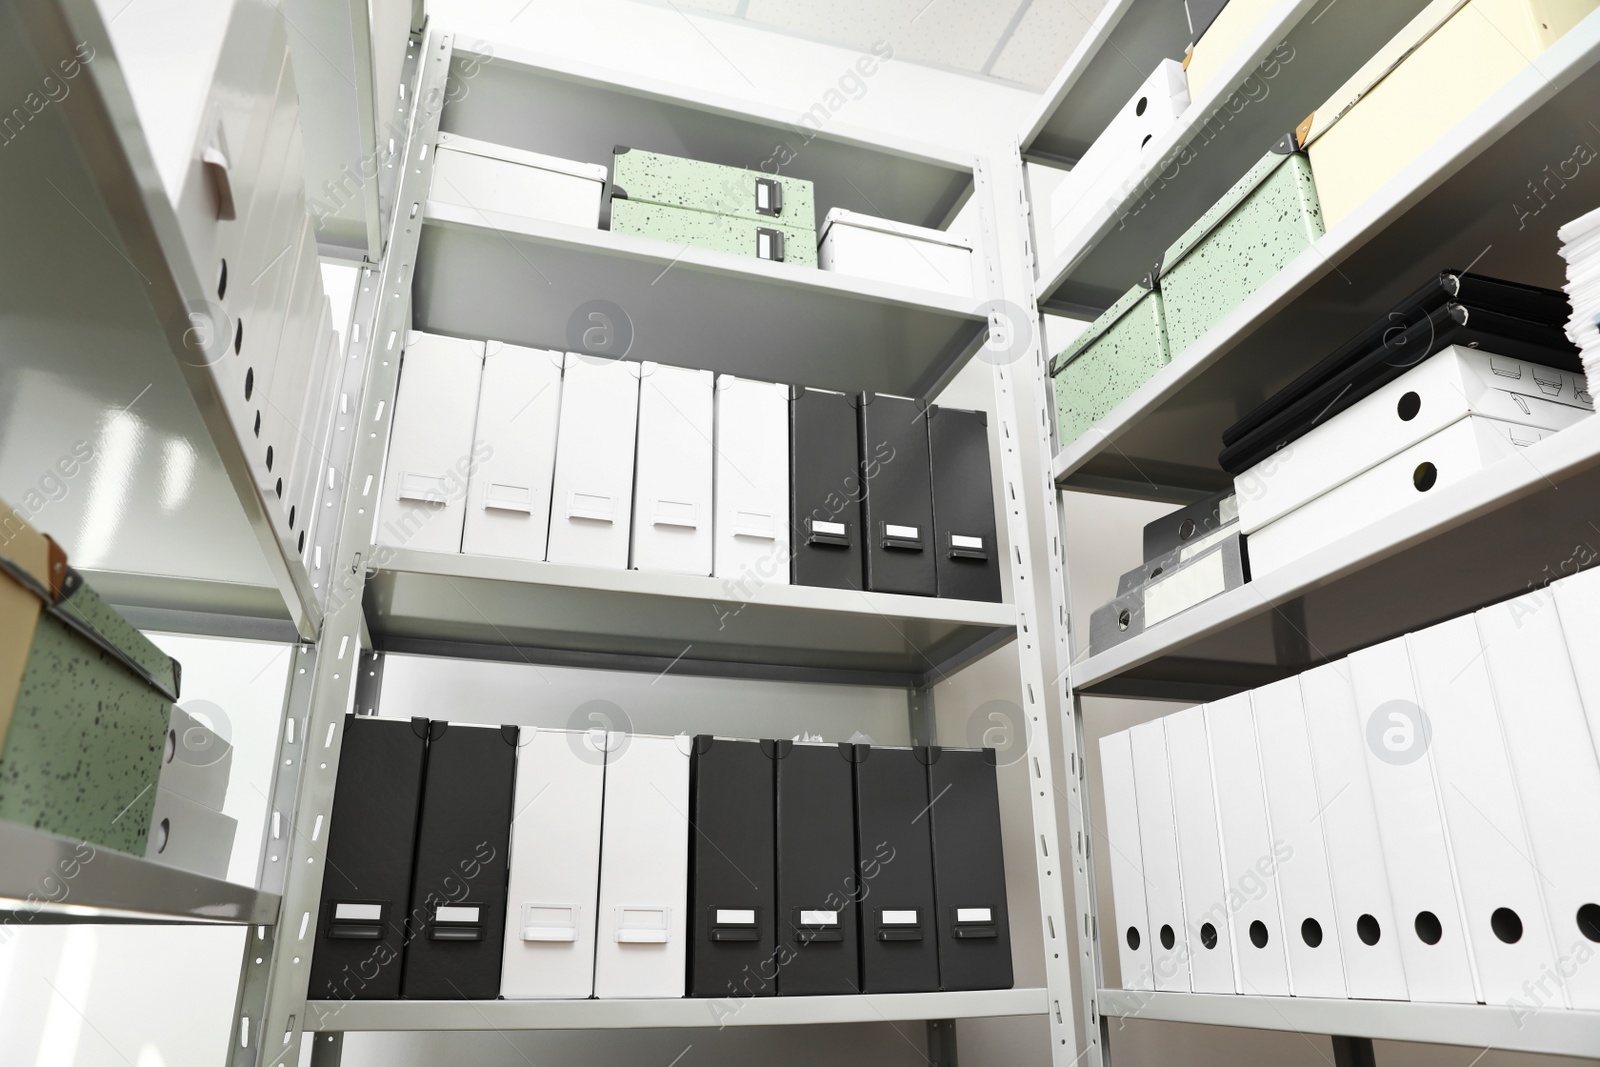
x=969, y=873
x=458, y=892
x=967, y=552
x=817, y=943
x=897, y=508
x=366, y=881
x=894, y=871
x=731, y=868
x=824, y=489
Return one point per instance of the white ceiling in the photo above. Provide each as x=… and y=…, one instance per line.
x=1019, y=42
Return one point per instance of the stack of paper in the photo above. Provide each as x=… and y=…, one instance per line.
x=1580, y=247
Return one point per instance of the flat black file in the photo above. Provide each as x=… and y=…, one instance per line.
x=731, y=868
x=967, y=551
x=894, y=864
x=817, y=877
x=458, y=894
x=366, y=880
x=897, y=507
x=825, y=490
x=969, y=872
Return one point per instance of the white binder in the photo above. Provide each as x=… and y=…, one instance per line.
x=508, y=498
x=672, y=478
x=1368, y=937
x=1127, y=865
x=431, y=449
x=1422, y=882
x=1250, y=856
x=644, y=868
x=1207, y=921
x=591, y=500
x=1305, y=890
x=752, y=482
x=1543, y=715
x=555, y=864
x=1506, y=925
x=1158, y=842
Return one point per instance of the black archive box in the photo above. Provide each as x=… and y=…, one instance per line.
x=897, y=505
x=966, y=549
x=894, y=871
x=817, y=876
x=825, y=489
x=731, y=867
x=458, y=892
x=366, y=880
x=969, y=873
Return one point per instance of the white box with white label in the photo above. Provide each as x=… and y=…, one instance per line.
x=591, y=500
x=508, y=495
x=752, y=481
x=672, y=499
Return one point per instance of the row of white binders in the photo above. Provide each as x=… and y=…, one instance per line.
x=1412, y=822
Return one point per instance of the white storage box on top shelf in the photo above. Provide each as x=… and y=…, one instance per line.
x=488, y=177
x=889, y=251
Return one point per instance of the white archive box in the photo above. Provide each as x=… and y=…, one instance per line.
x=1113, y=157
x=485, y=177
x=640, y=946
x=431, y=450
x=889, y=251
x=1367, y=930
x=189, y=835
x=1207, y=920
x=1158, y=845
x=1453, y=383
x=1506, y=925
x=1250, y=857
x=195, y=762
x=508, y=494
x=1305, y=891
x=1458, y=451
x=752, y=480
x=1127, y=865
x=1548, y=722
x=555, y=864
x=591, y=499
x=672, y=501
x=1411, y=829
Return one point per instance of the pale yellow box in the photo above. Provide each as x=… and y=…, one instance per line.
x=1222, y=41
x=1430, y=77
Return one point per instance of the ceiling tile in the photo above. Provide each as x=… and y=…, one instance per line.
x=1044, y=40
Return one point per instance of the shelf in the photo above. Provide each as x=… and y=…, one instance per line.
x=489, y=608
x=1313, y=47
x=580, y=111
x=110, y=441
x=508, y=278
x=413, y=1015
x=1466, y=201
x=1508, y=528
x=49, y=879
x=1553, y=1030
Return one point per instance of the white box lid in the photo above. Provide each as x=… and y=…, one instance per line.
x=860, y=221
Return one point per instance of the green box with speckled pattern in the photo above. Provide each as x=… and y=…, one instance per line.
x=82, y=755
x=1269, y=217
x=673, y=181
x=724, y=233
x=1117, y=353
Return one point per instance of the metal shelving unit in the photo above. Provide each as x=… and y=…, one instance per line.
x=1470, y=544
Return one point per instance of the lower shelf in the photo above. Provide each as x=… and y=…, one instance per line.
x=1524, y=1029
x=353, y=1015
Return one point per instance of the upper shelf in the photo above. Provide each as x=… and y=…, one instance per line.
x=521, y=280
x=578, y=111
x=353, y=1015
x=1299, y=55
x=430, y=602
x=1466, y=202
x=49, y=879
x=1506, y=529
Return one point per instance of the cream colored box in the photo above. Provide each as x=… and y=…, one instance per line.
x=1222, y=40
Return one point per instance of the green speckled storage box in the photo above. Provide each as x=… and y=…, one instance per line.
x=725, y=233
x=1267, y=219
x=82, y=738
x=652, y=178
x=1117, y=353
